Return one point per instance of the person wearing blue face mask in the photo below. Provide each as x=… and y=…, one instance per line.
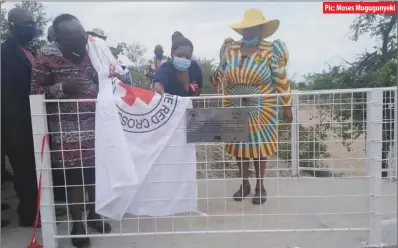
x=180, y=75
x=157, y=61
x=159, y=56
x=254, y=66
x=17, y=58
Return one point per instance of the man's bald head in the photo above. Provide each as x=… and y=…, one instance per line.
x=20, y=16
x=66, y=22
x=68, y=27
x=70, y=35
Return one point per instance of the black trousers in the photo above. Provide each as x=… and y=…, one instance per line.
x=20, y=152
x=59, y=185
x=81, y=192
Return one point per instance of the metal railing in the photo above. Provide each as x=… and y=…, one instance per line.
x=325, y=177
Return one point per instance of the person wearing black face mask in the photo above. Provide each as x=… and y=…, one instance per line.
x=17, y=58
x=67, y=73
x=57, y=175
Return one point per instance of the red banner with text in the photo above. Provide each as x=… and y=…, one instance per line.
x=360, y=8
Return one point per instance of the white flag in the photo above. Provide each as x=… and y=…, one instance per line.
x=143, y=164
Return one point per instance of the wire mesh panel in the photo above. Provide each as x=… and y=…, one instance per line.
x=334, y=202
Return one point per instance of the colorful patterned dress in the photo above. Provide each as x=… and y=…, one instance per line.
x=263, y=72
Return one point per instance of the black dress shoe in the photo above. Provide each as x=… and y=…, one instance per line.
x=78, y=229
x=243, y=192
x=95, y=222
x=260, y=197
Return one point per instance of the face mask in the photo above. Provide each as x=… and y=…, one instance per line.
x=159, y=55
x=181, y=64
x=73, y=51
x=24, y=32
x=252, y=43
x=77, y=51
x=76, y=55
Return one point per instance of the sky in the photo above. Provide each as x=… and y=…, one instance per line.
x=314, y=40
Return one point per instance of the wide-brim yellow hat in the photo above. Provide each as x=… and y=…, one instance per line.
x=253, y=18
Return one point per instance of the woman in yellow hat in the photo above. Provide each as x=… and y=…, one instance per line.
x=255, y=66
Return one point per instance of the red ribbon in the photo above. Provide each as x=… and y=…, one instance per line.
x=34, y=243
x=194, y=86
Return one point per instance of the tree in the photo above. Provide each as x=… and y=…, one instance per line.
x=135, y=52
x=3, y=22
x=376, y=69
x=39, y=14
x=207, y=66
x=381, y=27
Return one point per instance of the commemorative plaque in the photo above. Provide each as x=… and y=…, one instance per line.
x=217, y=125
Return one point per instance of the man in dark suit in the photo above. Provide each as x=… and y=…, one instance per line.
x=17, y=58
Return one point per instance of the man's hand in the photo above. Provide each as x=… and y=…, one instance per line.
x=73, y=86
x=158, y=88
x=116, y=75
x=287, y=114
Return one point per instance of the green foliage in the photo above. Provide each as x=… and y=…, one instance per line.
x=39, y=14
x=381, y=27
x=208, y=66
x=135, y=52
x=302, y=86
x=368, y=70
x=138, y=78
x=3, y=22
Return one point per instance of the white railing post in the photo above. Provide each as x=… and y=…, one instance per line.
x=374, y=161
x=295, y=140
x=47, y=208
x=394, y=147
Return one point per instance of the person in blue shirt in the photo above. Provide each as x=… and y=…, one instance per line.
x=180, y=75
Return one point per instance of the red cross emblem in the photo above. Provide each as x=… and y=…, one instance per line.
x=132, y=93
